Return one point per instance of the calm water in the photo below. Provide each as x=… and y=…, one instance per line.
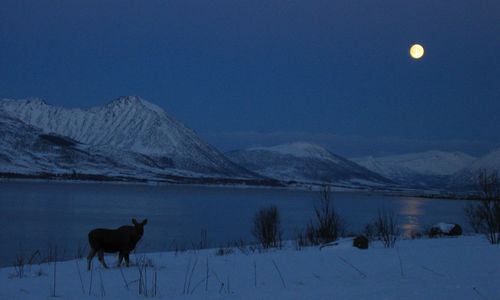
x=36, y=215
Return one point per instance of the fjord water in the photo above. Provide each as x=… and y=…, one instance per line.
x=48, y=215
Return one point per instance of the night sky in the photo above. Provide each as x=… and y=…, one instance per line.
x=245, y=73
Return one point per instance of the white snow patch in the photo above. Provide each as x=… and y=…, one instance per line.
x=447, y=268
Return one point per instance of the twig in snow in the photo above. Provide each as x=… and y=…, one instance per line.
x=352, y=266
x=206, y=278
x=221, y=287
x=186, y=274
x=32, y=257
x=103, y=292
x=432, y=271
x=197, y=285
x=400, y=263
x=480, y=295
x=191, y=275
x=328, y=245
x=80, y=275
x=218, y=279
x=155, y=290
x=123, y=276
x=279, y=272
x=255, y=273
x=91, y=278
x=53, y=292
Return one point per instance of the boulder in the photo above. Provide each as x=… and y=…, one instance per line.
x=447, y=229
x=455, y=231
x=360, y=242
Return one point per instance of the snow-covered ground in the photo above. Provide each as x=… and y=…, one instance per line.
x=448, y=268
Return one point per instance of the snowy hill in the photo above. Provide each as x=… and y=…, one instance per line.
x=418, y=169
x=467, y=177
x=129, y=130
x=304, y=162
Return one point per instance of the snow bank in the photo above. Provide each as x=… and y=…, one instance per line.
x=448, y=268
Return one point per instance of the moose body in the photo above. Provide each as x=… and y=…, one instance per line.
x=122, y=240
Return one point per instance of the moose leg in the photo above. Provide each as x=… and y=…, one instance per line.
x=90, y=257
x=127, y=258
x=120, y=259
x=100, y=254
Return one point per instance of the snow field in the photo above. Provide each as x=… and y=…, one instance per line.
x=448, y=268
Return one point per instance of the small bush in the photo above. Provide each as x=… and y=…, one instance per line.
x=19, y=265
x=484, y=217
x=301, y=240
x=267, y=227
x=414, y=234
x=224, y=251
x=473, y=217
x=328, y=225
x=369, y=232
x=386, y=228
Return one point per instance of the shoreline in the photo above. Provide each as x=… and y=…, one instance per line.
x=391, y=191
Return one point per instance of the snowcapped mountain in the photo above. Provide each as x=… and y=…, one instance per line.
x=418, y=169
x=468, y=177
x=25, y=149
x=129, y=131
x=304, y=162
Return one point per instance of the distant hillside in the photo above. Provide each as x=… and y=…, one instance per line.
x=468, y=177
x=425, y=169
x=304, y=162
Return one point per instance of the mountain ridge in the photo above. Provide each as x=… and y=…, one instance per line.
x=304, y=162
x=429, y=168
x=128, y=124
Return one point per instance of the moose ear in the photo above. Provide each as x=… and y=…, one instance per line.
x=135, y=221
x=145, y=222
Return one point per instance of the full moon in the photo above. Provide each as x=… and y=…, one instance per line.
x=417, y=51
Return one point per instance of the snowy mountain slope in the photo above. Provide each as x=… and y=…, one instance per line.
x=468, y=177
x=128, y=125
x=303, y=162
x=27, y=150
x=417, y=169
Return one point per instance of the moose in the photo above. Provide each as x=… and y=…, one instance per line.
x=122, y=240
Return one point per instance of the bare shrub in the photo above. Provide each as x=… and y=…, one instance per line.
x=267, y=227
x=386, y=228
x=473, y=217
x=224, y=251
x=328, y=225
x=19, y=264
x=369, y=232
x=484, y=216
x=146, y=288
x=301, y=240
x=80, y=251
x=242, y=246
x=415, y=234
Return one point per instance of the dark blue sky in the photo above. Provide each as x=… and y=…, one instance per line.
x=261, y=72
